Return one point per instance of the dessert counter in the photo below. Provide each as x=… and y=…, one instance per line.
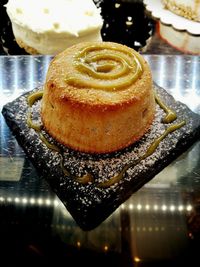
x=159, y=225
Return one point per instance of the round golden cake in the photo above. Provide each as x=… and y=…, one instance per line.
x=98, y=97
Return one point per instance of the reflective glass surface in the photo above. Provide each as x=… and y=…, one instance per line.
x=159, y=225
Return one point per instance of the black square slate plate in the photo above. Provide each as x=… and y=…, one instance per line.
x=91, y=202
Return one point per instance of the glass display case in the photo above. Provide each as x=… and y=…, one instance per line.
x=159, y=225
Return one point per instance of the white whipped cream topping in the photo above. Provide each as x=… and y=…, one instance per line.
x=61, y=16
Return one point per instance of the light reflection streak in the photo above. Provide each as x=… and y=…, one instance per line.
x=16, y=75
x=54, y=202
x=178, y=86
x=1, y=76
x=31, y=73
x=191, y=98
x=162, y=70
x=195, y=75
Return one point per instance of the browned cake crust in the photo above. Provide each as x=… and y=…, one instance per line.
x=28, y=49
x=96, y=120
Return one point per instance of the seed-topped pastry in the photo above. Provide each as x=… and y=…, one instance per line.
x=189, y=9
x=98, y=97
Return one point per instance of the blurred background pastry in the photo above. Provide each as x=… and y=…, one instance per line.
x=189, y=9
x=122, y=22
x=48, y=26
x=186, y=40
x=178, y=23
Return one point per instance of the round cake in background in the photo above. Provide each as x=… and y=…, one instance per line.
x=178, y=23
x=186, y=40
x=49, y=27
x=181, y=40
x=98, y=97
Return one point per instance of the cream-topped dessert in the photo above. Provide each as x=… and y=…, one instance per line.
x=189, y=9
x=49, y=26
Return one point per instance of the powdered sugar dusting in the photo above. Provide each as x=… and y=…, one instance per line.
x=87, y=197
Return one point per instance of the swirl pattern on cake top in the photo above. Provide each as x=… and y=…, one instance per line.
x=107, y=68
x=98, y=97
